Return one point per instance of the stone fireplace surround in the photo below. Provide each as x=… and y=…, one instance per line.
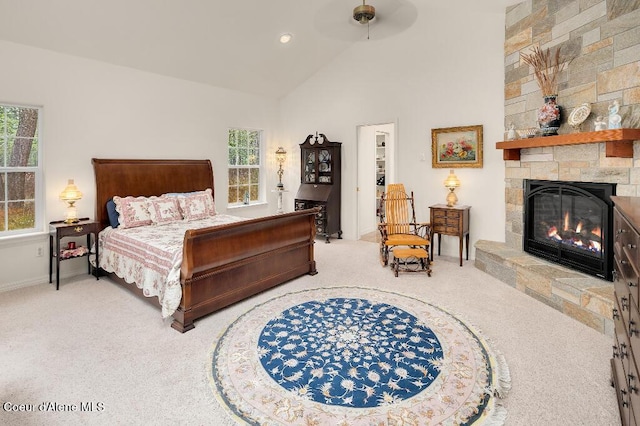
x=601, y=39
x=580, y=296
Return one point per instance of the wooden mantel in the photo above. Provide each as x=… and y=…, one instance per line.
x=619, y=142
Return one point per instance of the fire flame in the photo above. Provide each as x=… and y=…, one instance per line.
x=553, y=233
x=576, y=237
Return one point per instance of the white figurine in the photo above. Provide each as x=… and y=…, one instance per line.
x=615, y=121
x=600, y=123
x=511, y=134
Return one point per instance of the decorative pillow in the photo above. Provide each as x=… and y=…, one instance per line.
x=197, y=205
x=164, y=210
x=112, y=213
x=133, y=211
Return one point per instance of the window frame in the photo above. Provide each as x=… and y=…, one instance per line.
x=260, y=167
x=38, y=172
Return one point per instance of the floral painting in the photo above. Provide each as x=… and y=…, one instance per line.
x=456, y=147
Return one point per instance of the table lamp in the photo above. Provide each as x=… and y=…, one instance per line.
x=70, y=195
x=281, y=157
x=451, y=182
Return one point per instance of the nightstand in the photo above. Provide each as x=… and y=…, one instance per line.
x=450, y=221
x=59, y=230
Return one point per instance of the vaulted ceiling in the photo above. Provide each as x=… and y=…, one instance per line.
x=226, y=43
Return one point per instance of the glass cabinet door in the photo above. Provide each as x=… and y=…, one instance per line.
x=324, y=166
x=309, y=156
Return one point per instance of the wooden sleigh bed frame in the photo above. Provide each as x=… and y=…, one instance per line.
x=223, y=264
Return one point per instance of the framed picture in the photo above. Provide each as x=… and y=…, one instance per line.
x=454, y=147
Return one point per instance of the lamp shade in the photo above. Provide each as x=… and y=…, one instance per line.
x=452, y=180
x=451, y=183
x=281, y=155
x=71, y=192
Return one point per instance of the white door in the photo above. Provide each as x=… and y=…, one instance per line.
x=374, y=161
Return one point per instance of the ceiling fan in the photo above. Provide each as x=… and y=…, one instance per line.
x=364, y=14
x=338, y=19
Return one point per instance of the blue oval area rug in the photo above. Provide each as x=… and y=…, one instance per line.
x=355, y=356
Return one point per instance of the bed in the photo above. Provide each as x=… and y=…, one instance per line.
x=222, y=264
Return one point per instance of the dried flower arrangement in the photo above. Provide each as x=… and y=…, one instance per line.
x=545, y=69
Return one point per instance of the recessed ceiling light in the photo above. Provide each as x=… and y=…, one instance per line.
x=285, y=38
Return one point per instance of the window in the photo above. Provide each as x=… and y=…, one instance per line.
x=245, y=174
x=20, y=170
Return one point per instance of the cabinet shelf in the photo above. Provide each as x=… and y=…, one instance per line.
x=619, y=142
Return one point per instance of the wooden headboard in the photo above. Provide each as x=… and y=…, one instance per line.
x=146, y=178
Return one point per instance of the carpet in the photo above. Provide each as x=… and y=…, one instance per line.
x=355, y=356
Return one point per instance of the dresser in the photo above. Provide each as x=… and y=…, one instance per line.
x=626, y=317
x=320, y=183
x=452, y=221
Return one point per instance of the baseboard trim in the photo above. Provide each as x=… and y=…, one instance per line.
x=23, y=284
x=66, y=273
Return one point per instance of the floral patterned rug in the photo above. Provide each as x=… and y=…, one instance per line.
x=355, y=356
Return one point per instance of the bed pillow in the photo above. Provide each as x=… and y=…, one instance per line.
x=112, y=214
x=132, y=211
x=164, y=210
x=197, y=205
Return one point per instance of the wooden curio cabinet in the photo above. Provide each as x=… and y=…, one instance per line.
x=320, y=183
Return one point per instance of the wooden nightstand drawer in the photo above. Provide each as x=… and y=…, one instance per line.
x=451, y=230
x=453, y=222
x=453, y=214
x=77, y=230
x=447, y=212
x=438, y=221
x=446, y=225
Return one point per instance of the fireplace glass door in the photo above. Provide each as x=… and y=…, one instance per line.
x=569, y=223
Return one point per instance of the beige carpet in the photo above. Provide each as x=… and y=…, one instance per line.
x=94, y=342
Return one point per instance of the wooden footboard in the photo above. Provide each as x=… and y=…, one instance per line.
x=225, y=264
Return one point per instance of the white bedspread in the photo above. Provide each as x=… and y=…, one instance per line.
x=151, y=256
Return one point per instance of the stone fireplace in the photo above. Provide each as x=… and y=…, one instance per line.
x=600, y=40
x=586, y=298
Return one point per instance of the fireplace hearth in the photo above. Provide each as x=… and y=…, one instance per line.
x=570, y=223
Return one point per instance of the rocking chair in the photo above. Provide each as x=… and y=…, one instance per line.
x=398, y=225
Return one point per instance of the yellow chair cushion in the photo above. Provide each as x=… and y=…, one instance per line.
x=406, y=240
x=404, y=253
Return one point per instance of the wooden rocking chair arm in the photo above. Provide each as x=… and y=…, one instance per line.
x=382, y=227
x=424, y=229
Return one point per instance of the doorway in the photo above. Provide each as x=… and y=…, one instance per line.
x=376, y=168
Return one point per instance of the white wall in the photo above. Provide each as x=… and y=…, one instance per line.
x=91, y=109
x=445, y=71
